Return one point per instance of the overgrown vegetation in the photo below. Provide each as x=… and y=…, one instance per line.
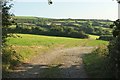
x=9, y=56
x=97, y=63
x=114, y=49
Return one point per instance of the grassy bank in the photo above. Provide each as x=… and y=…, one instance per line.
x=97, y=63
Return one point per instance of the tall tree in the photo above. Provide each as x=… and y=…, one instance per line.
x=6, y=18
x=114, y=49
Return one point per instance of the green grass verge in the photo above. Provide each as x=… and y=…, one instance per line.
x=97, y=64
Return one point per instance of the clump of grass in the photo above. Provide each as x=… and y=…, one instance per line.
x=27, y=52
x=102, y=50
x=96, y=63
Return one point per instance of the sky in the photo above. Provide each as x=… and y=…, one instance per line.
x=75, y=9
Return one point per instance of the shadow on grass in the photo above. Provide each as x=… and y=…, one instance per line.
x=44, y=71
x=97, y=66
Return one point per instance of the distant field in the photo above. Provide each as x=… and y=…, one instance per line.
x=39, y=40
x=25, y=17
x=93, y=36
x=28, y=45
x=13, y=26
x=28, y=17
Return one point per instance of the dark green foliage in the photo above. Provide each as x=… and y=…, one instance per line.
x=59, y=27
x=76, y=34
x=52, y=30
x=97, y=63
x=110, y=64
x=87, y=28
x=56, y=29
x=6, y=19
x=10, y=56
x=116, y=30
x=106, y=37
x=90, y=28
x=114, y=49
x=95, y=23
x=10, y=59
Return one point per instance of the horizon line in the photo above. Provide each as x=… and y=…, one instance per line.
x=63, y=18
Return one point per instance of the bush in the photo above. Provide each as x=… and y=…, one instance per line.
x=10, y=57
x=101, y=50
x=114, y=56
x=114, y=49
x=106, y=37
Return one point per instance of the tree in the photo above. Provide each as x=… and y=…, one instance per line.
x=6, y=18
x=9, y=55
x=87, y=27
x=114, y=48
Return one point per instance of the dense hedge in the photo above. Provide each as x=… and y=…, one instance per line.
x=51, y=31
x=106, y=37
x=114, y=49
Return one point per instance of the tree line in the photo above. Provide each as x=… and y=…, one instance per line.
x=65, y=29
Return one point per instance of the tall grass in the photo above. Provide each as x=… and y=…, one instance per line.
x=97, y=63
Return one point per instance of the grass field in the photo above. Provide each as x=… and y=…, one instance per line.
x=28, y=45
x=93, y=36
x=39, y=40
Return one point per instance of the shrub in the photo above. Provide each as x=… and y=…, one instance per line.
x=10, y=57
x=102, y=50
x=106, y=37
x=114, y=49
